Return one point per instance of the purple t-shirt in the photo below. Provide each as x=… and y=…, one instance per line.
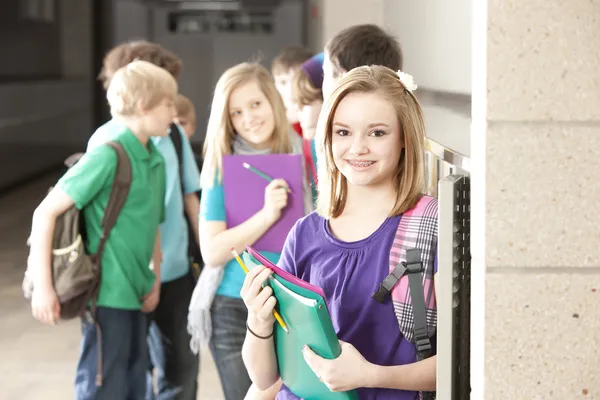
x=349, y=272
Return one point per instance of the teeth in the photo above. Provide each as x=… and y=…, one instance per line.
x=362, y=164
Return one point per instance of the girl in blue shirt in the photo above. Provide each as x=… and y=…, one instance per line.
x=247, y=118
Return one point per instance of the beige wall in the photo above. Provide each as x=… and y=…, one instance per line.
x=340, y=14
x=539, y=238
x=436, y=41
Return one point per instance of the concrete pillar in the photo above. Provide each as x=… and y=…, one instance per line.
x=535, y=197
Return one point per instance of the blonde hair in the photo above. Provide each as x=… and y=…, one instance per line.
x=139, y=82
x=333, y=187
x=303, y=91
x=220, y=132
x=184, y=107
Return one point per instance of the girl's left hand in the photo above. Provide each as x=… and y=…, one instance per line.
x=349, y=371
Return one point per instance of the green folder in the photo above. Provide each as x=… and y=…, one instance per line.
x=308, y=323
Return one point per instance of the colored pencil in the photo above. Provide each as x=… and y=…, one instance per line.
x=275, y=313
x=261, y=174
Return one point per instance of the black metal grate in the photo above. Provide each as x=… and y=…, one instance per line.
x=462, y=287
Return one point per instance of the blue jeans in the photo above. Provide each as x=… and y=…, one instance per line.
x=229, y=330
x=124, y=356
x=169, y=344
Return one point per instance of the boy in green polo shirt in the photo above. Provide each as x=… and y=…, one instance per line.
x=173, y=367
x=141, y=96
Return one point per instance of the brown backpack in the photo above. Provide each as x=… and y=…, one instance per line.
x=75, y=273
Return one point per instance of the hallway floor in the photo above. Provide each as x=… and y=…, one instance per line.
x=37, y=361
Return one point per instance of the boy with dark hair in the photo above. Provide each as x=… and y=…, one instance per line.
x=357, y=46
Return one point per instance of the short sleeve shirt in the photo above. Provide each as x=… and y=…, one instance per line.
x=212, y=208
x=126, y=276
x=348, y=272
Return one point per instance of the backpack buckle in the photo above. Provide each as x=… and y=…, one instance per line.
x=415, y=267
x=385, y=287
x=422, y=343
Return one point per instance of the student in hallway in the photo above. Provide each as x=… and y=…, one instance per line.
x=175, y=365
x=186, y=115
x=284, y=68
x=371, y=144
x=308, y=97
x=141, y=100
x=356, y=46
x=247, y=118
x=307, y=94
x=186, y=118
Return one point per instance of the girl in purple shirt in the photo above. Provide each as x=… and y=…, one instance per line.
x=370, y=142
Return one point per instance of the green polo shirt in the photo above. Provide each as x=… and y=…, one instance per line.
x=126, y=276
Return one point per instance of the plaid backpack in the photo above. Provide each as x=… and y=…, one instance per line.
x=75, y=273
x=410, y=281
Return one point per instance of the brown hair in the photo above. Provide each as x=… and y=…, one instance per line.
x=290, y=58
x=127, y=52
x=184, y=107
x=364, y=45
x=303, y=90
x=333, y=187
x=220, y=132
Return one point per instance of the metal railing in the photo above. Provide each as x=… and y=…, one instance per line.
x=441, y=161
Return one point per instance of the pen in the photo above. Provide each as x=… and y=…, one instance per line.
x=275, y=313
x=261, y=174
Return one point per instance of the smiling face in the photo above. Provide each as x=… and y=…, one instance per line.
x=252, y=115
x=366, y=139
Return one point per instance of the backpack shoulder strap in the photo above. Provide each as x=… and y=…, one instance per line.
x=175, y=136
x=418, y=231
x=118, y=194
x=410, y=282
x=415, y=250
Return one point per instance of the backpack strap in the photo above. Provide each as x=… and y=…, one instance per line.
x=414, y=269
x=193, y=247
x=410, y=282
x=116, y=201
x=118, y=195
x=175, y=136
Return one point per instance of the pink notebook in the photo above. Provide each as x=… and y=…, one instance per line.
x=284, y=274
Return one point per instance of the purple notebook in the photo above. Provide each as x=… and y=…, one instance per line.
x=245, y=193
x=284, y=274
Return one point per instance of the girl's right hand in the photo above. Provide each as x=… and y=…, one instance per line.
x=276, y=197
x=259, y=301
x=44, y=304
